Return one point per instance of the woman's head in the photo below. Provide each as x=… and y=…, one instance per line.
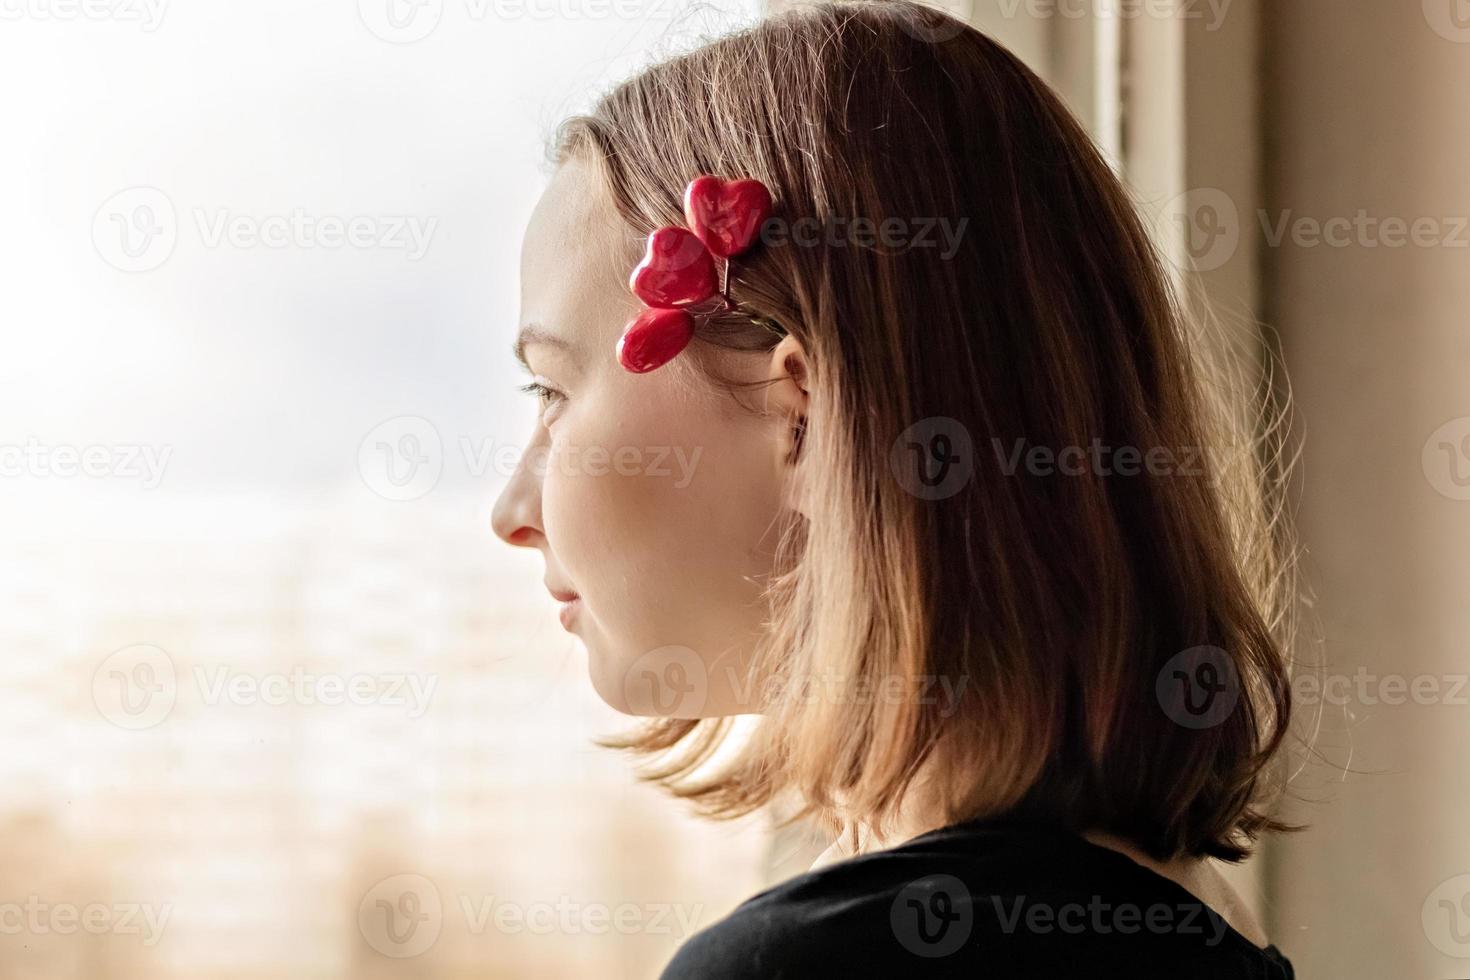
x=965, y=517
x=653, y=498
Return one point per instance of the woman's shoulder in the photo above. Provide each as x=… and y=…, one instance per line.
x=977, y=900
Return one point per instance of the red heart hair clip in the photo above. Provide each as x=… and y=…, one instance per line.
x=678, y=268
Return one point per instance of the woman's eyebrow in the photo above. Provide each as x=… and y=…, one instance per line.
x=534, y=333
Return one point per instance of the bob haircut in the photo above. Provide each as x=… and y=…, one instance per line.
x=1043, y=608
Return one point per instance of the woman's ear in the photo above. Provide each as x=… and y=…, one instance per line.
x=788, y=394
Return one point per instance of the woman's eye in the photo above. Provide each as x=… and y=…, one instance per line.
x=545, y=393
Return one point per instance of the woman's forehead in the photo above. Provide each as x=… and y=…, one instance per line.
x=575, y=257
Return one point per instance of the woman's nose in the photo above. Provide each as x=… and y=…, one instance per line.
x=516, y=517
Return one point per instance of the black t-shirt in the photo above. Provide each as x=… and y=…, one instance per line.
x=977, y=900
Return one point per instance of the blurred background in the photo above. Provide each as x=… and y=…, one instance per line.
x=279, y=703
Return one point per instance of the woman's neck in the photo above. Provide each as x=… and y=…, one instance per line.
x=911, y=820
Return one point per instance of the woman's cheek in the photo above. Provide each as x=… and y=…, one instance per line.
x=625, y=502
x=576, y=512
x=600, y=521
x=654, y=511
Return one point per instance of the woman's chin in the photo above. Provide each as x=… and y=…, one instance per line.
x=669, y=681
x=602, y=671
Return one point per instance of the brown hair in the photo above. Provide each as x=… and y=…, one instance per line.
x=1057, y=603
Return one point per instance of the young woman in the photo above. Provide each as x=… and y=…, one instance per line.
x=897, y=439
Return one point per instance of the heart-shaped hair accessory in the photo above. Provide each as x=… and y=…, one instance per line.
x=726, y=214
x=679, y=267
x=676, y=270
x=653, y=338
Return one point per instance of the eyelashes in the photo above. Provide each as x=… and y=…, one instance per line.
x=546, y=394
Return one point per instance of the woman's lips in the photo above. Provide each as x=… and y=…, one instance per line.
x=569, y=609
x=570, y=603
